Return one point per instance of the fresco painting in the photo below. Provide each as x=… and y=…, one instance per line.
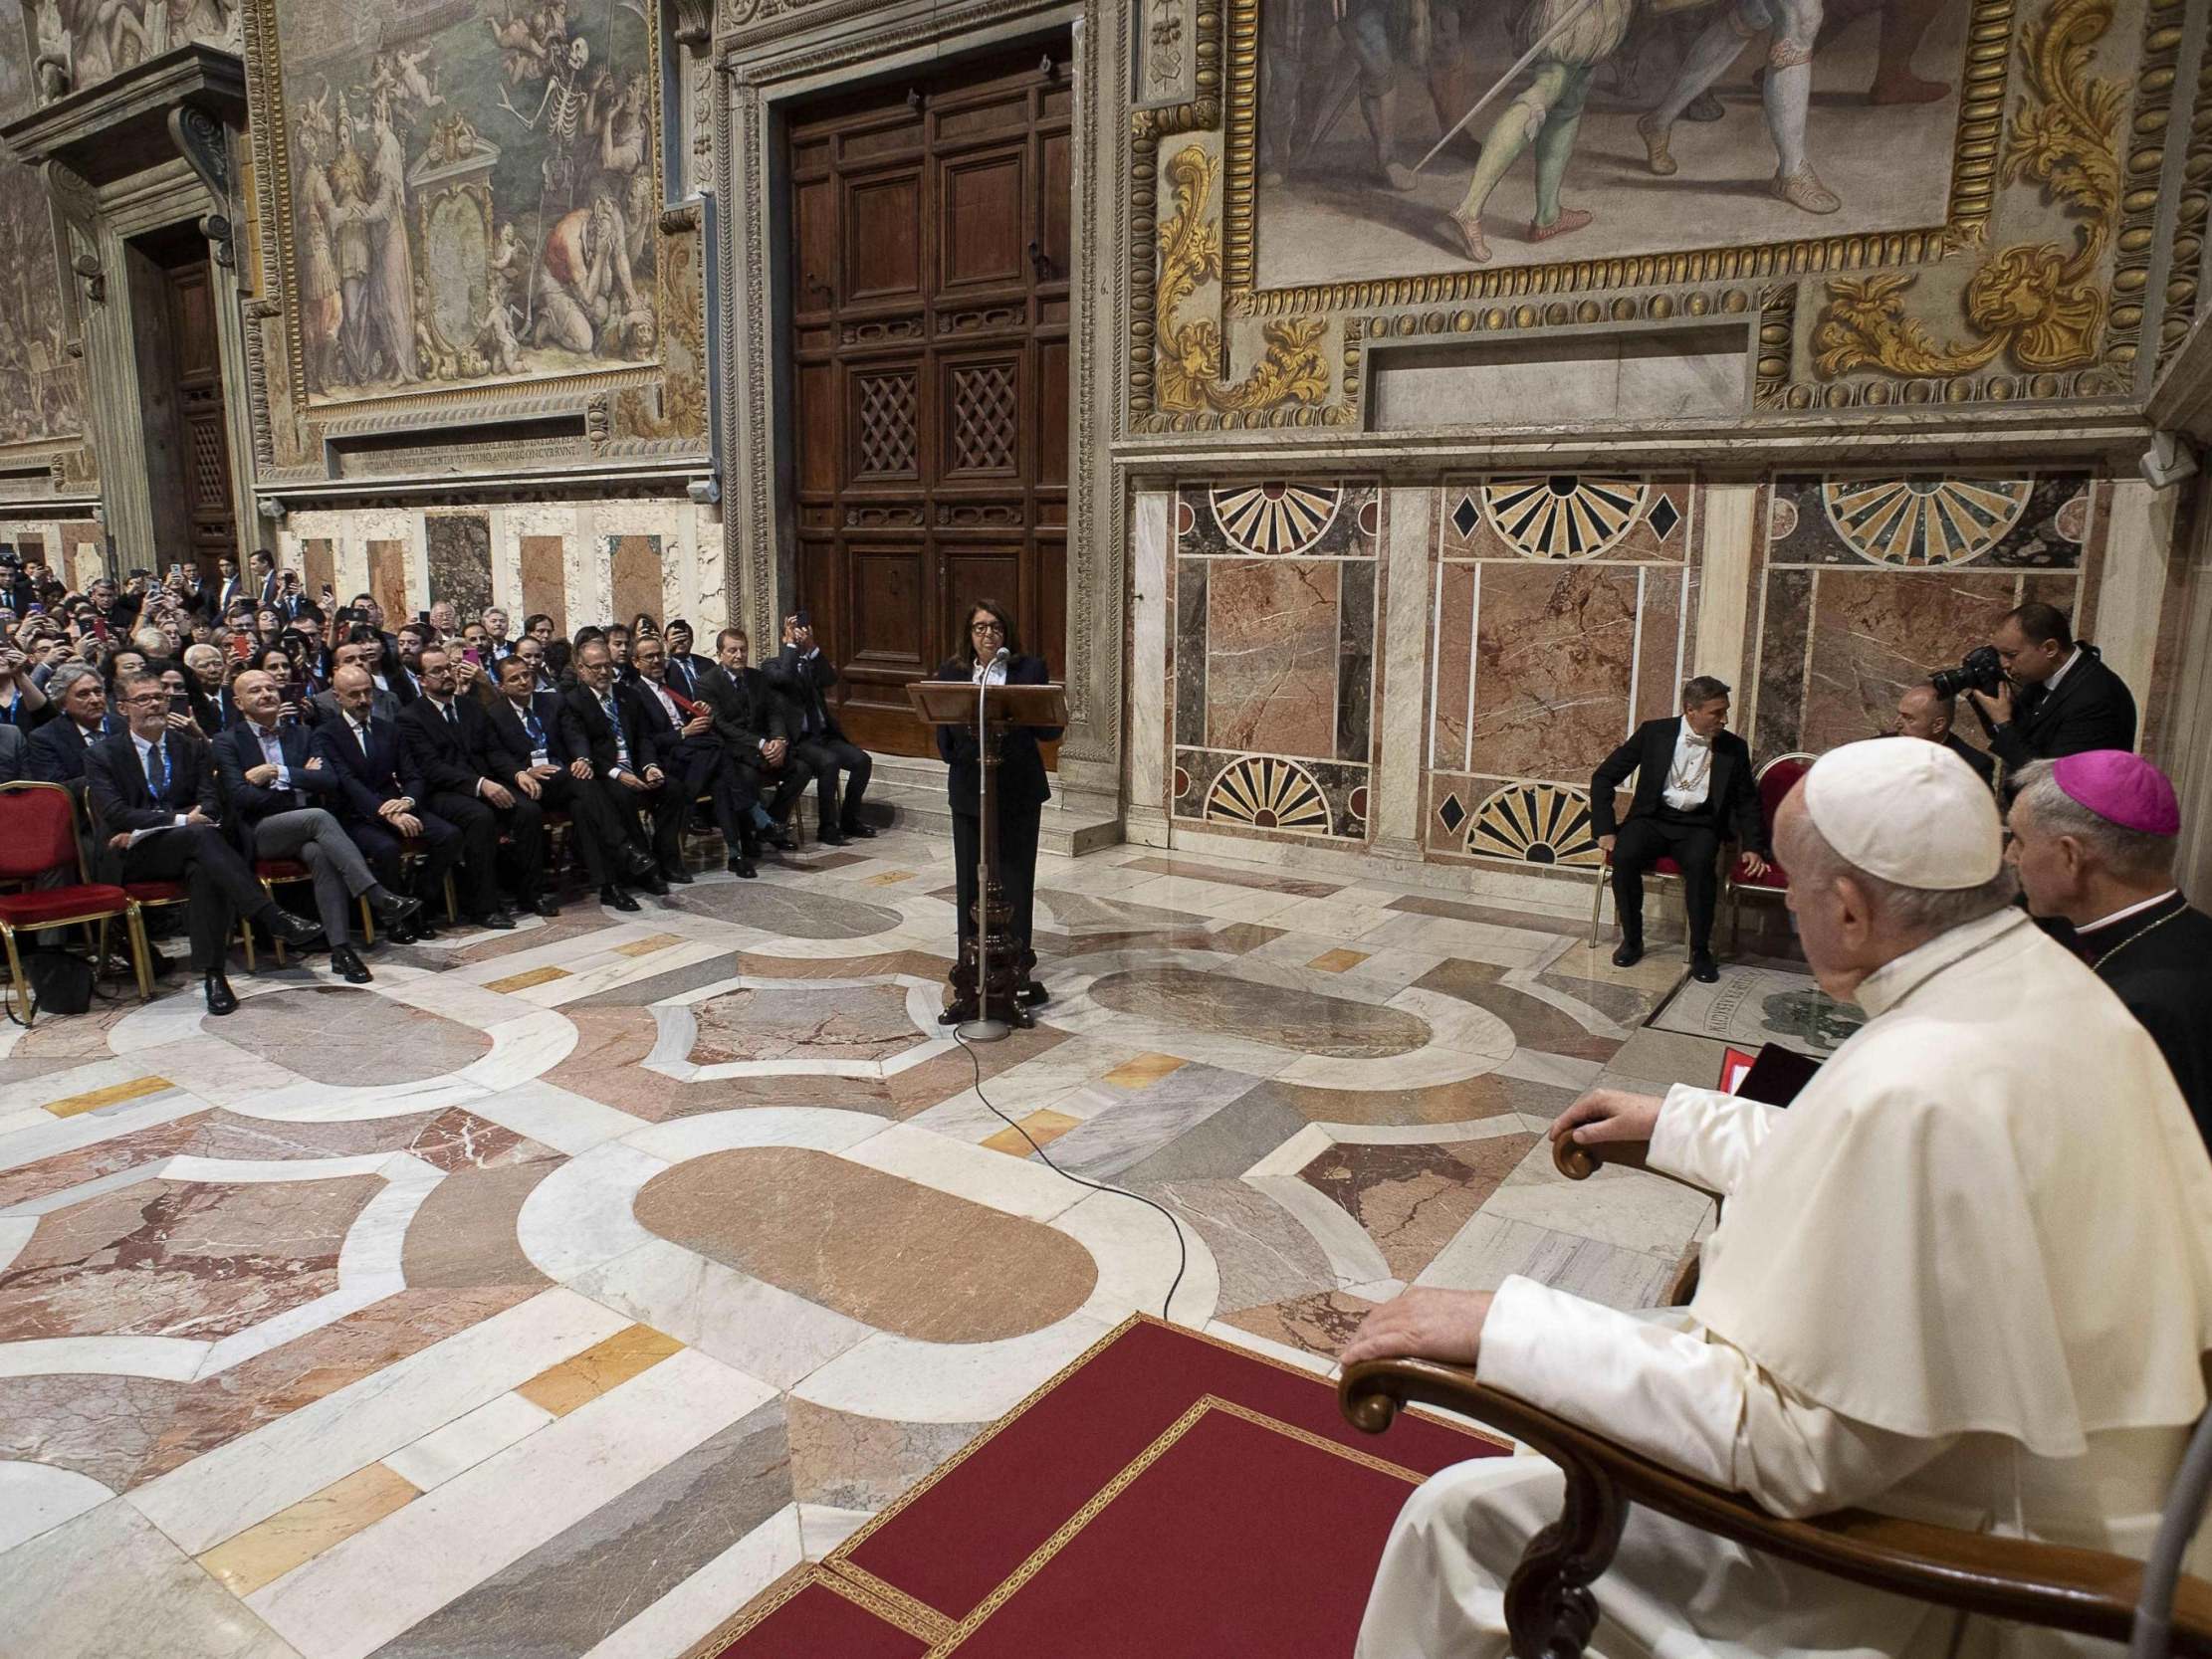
x=1602, y=128
x=40, y=397
x=475, y=190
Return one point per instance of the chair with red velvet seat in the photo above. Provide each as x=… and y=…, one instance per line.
x=38, y=834
x=274, y=873
x=1775, y=779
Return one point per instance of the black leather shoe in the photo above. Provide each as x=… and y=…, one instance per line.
x=394, y=909
x=652, y=882
x=860, y=830
x=960, y=1014
x=829, y=838
x=422, y=927
x=293, y=929
x=781, y=838
x=498, y=920
x=1627, y=953
x=221, y=1000
x=547, y=905
x=744, y=869
x=615, y=899
x=1703, y=967
x=1034, y=995
x=345, y=961
x=676, y=873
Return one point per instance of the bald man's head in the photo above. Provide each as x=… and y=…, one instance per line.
x=354, y=690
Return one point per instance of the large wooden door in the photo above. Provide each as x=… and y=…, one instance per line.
x=930, y=247
x=203, y=445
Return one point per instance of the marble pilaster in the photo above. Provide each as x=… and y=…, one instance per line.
x=1725, y=581
x=1410, y=540
x=1144, y=812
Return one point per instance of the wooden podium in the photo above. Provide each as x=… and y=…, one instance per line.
x=989, y=967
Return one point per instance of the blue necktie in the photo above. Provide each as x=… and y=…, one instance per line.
x=537, y=731
x=157, y=772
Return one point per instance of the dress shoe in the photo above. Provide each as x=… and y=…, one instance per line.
x=499, y=921
x=743, y=868
x=860, y=830
x=1703, y=967
x=345, y=961
x=652, y=882
x=221, y=1000
x=781, y=838
x=676, y=873
x=1627, y=953
x=547, y=905
x=960, y=1014
x=829, y=838
x=421, y=928
x=290, y=930
x=394, y=909
x=1034, y=995
x=615, y=899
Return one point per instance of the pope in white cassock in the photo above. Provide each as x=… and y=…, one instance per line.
x=1966, y=1276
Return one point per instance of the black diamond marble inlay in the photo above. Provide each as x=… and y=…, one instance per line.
x=1453, y=813
x=1664, y=517
x=1465, y=515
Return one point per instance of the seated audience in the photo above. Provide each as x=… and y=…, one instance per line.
x=56, y=752
x=802, y=674
x=680, y=733
x=379, y=799
x=23, y=706
x=602, y=725
x=2092, y=838
x=213, y=710
x=1926, y=714
x=323, y=707
x=1966, y=1274
x=494, y=634
x=1693, y=789
x=282, y=796
x=528, y=744
x=158, y=815
x=2058, y=697
x=540, y=627
x=755, y=729
x=685, y=665
x=448, y=744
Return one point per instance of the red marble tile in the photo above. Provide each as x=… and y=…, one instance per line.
x=1554, y=649
x=1270, y=657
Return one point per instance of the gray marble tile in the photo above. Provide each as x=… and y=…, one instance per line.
x=1123, y=1134
x=1223, y=1146
x=1261, y=1251
x=566, y=1594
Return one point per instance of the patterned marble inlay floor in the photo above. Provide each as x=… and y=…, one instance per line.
x=563, y=1288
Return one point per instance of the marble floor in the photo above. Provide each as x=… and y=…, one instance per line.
x=563, y=1288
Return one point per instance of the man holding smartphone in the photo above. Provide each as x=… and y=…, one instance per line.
x=802, y=674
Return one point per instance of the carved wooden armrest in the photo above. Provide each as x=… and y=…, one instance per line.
x=1548, y=1605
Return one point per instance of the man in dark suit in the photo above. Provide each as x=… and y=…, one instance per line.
x=751, y=721
x=15, y=754
x=323, y=707
x=154, y=801
x=686, y=667
x=380, y=798
x=802, y=674
x=527, y=744
x=230, y=587
x=56, y=752
x=681, y=729
x=282, y=797
x=262, y=585
x=603, y=727
x=214, y=709
x=1926, y=714
x=2059, y=698
x=1693, y=789
x=448, y=740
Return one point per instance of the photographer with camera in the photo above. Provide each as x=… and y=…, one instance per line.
x=2041, y=693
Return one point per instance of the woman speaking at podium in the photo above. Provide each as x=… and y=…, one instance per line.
x=1018, y=792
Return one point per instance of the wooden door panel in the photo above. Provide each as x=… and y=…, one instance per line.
x=814, y=283
x=816, y=416
x=1048, y=416
x=882, y=238
x=1056, y=206
x=974, y=572
x=979, y=407
x=883, y=424
x=983, y=220
x=890, y=614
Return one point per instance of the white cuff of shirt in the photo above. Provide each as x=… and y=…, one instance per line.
x=181, y=819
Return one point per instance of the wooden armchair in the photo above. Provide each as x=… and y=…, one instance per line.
x=1551, y=1613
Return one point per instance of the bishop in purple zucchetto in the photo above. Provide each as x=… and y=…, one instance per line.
x=2121, y=788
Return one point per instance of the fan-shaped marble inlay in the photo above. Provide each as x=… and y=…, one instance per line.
x=1276, y=517
x=1924, y=522
x=785, y=910
x=197, y=1260
x=815, y=1225
x=338, y=1035
x=1301, y=1020
x=1564, y=515
x=1536, y=823
x=1268, y=792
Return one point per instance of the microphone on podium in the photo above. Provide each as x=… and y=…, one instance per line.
x=1000, y=655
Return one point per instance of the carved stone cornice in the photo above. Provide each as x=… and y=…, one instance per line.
x=111, y=129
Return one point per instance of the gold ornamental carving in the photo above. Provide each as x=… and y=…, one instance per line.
x=2038, y=301
x=1291, y=369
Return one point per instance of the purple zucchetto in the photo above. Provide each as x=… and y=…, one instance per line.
x=2121, y=788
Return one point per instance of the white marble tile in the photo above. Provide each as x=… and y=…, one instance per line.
x=687, y=1613
x=1490, y=1249
x=822, y=1527
x=365, y=1590
x=468, y=1440
x=820, y=1128
x=106, y=1584
x=905, y=1380
x=225, y=1491
x=16, y=1229
x=47, y=1135
x=1353, y=1255
x=1560, y=1071
x=969, y=1171
x=580, y=1217
x=554, y=1116
x=35, y=1497
x=173, y=1358
x=1139, y=1252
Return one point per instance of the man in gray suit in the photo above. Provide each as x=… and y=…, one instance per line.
x=13, y=748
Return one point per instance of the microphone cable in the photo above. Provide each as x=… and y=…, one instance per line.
x=1182, y=1245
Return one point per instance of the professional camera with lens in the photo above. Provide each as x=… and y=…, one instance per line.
x=1980, y=672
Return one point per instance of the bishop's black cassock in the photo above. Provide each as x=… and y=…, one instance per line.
x=2159, y=962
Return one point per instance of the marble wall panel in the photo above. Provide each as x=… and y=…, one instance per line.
x=636, y=564
x=1567, y=516
x=1452, y=664
x=1271, y=646
x=319, y=566
x=387, y=578
x=459, y=546
x=1355, y=675
x=83, y=552
x=1189, y=651
x=1555, y=662
x=2038, y=522
x=1876, y=633
x=542, y=589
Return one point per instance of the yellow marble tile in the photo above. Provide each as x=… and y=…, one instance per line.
x=1146, y=1068
x=522, y=981
x=69, y=1106
x=562, y=1387
x=1336, y=961
x=646, y=946
x=890, y=878
x=262, y=1553
x=1045, y=1126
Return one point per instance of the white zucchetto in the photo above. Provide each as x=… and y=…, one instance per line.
x=1907, y=812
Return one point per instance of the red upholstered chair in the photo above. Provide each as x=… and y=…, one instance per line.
x=1776, y=778
x=38, y=834
x=274, y=873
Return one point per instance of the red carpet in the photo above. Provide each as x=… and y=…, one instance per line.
x=1167, y=1496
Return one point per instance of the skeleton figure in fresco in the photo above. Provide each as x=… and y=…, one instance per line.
x=1573, y=38
x=1785, y=91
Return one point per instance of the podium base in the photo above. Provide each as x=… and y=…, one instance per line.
x=983, y=1031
